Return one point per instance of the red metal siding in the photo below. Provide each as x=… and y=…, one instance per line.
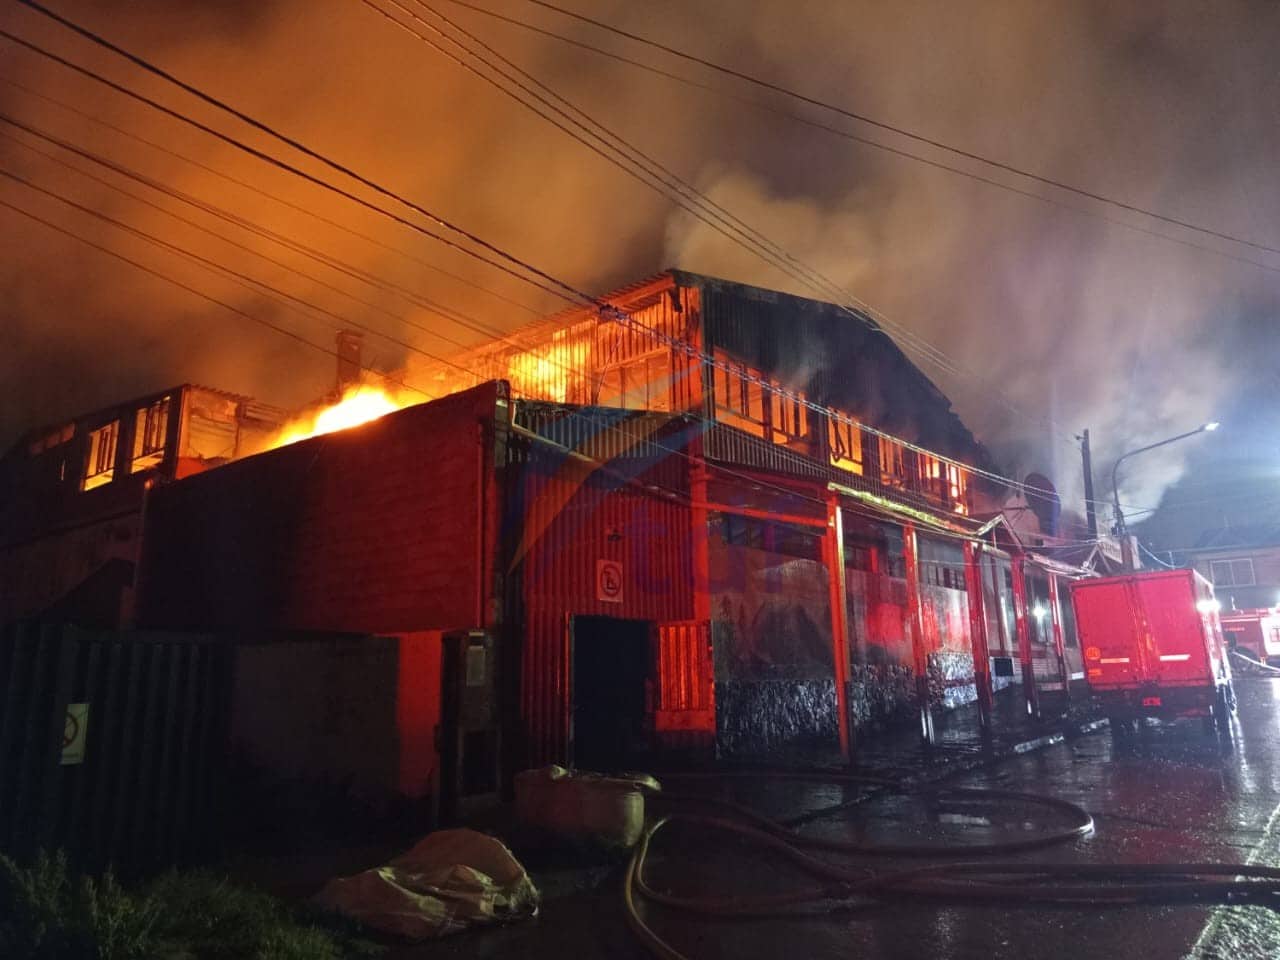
x=372, y=529
x=578, y=517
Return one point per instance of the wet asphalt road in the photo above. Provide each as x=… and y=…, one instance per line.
x=1167, y=793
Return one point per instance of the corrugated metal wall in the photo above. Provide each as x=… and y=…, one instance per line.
x=572, y=518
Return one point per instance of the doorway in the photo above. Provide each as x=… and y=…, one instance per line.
x=611, y=664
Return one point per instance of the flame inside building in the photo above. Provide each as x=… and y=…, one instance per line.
x=359, y=403
x=759, y=509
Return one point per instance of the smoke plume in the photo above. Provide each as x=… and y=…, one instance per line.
x=1051, y=320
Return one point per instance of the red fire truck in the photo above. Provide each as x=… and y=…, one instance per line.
x=1153, y=646
x=1255, y=633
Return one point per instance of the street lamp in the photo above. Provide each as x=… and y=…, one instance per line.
x=1115, y=489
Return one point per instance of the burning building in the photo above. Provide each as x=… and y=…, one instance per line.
x=72, y=493
x=695, y=516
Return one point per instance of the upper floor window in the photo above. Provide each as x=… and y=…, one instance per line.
x=844, y=437
x=929, y=468
x=957, y=489
x=739, y=395
x=788, y=416
x=893, y=467
x=100, y=467
x=1232, y=573
x=150, y=431
x=640, y=384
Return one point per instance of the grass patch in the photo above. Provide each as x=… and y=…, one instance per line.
x=47, y=912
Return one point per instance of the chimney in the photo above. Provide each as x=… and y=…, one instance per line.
x=349, y=366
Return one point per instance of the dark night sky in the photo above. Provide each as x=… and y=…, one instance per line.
x=1076, y=320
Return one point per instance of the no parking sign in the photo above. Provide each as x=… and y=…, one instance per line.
x=609, y=581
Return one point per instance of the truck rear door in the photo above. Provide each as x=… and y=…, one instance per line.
x=1108, y=632
x=1178, y=652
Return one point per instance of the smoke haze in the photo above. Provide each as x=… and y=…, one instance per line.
x=1056, y=321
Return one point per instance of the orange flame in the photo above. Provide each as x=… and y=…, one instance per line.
x=360, y=403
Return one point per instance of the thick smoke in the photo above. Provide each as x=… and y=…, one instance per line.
x=1052, y=321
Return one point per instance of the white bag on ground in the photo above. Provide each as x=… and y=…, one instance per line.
x=450, y=880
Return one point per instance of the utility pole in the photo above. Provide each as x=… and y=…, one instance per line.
x=1121, y=528
x=1090, y=508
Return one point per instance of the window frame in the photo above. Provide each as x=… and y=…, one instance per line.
x=1230, y=564
x=150, y=434
x=100, y=456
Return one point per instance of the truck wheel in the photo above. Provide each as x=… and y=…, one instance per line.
x=1222, y=710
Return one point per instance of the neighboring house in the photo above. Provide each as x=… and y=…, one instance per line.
x=1243, y=563
x=72, y=495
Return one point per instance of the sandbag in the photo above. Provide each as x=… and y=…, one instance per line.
x=584, y=807
x=450, y=880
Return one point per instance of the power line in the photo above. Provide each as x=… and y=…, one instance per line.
x=298, y=145
x=253, y=228
x=283, y=298
x=283, y=165
x=900, y=131
x=252, y=188
x=776, y=110
x=602, y=307
x=252, y=283
x=795, y=458
x=622, y=153
x=284, y=331
x=256, y=124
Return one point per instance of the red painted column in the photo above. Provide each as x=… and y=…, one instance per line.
x=911, y=555
x=833, y=547
x=1029, y=691
x=1059, y=646
x=978, y=632
x=701, y=540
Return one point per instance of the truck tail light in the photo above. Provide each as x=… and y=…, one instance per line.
x=1151, y=701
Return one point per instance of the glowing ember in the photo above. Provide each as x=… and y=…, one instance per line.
x=359, y=404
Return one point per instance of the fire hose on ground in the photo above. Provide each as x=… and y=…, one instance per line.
x=967, y=880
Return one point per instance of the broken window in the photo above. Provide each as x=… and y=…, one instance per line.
x=739, y=395
x=100, y=467
x=640, y=384
x=844, y=440
x=777, y=538
x=941, y=564
x=1232, y=573
x=957, y=489
x=788, y=416
x=893, y=468
x=150, y=432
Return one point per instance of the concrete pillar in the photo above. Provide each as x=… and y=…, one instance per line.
x=915, y=610
x=978, y=633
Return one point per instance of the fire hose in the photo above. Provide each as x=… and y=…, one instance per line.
x=963, y=880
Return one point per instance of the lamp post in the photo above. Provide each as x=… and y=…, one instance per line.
x=1121, y=530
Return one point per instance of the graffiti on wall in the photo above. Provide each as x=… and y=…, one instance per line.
x=773, y=613
x=775, y=676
